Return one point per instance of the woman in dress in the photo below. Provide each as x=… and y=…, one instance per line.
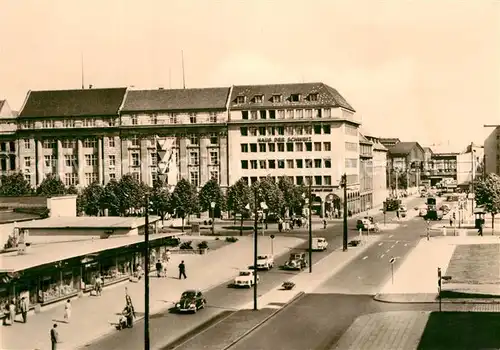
x=12, y=311
x=67, y=311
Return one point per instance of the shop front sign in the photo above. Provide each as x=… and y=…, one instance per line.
x=284, y=139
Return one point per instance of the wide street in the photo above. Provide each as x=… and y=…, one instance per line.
x=362, y=274
x=317, y=320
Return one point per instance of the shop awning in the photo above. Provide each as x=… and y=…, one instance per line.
x=52, y=252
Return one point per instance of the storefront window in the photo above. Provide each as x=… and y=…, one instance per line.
x=28, y=290
x=109, y=270
x=50, y=287
x=90, y=272
x=69, y=283
x=4, y=298
x=123, y=266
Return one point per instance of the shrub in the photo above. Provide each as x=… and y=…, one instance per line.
x=173, y=242
x=231, y=239
x=186, y=245
x=203, y=245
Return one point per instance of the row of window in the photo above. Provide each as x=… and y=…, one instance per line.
x=286, y=163
x=290, y=147
x=287, y=114
x=290, y=130
x=318, y=180
x=67, y=123
x=194, y=176
x=194, y=158
x=277, y=98
x=177, y=119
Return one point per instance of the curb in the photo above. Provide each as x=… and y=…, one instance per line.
x=287, y=304
x=379, y=298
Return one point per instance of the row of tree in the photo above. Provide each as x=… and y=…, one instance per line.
x=127, y=196
x=487, y=194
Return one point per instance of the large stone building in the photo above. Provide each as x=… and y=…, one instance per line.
x=405, y=159
x=8, y=144
x=304, y=131
x=378, y=171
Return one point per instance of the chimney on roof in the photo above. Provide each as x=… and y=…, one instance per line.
x=160, y=88
x=90, y=86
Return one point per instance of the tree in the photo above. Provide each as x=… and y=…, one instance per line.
x=130, y=193
x=487, y=194
x=402, y=180
x=160, y=199
x=270, y=193
x=184, y=200
x=92, y=199
x=72, y=190
x=51, y=186
x=238, y=197
x=14, y=185
x=111, y=198
x=211, y=192
x=292, y=194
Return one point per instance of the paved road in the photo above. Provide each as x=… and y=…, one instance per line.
x=325, y=315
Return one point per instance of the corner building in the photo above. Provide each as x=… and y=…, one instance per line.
x=297, y=130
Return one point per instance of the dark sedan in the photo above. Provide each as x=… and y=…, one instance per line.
x=191, y=301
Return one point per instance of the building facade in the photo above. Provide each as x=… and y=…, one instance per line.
x=470, y=165
x=492, y=152
x=8, y=143
x=303, y=131
x=405, y=159
x=442, y=167
x=379, y=171
x=365, y=173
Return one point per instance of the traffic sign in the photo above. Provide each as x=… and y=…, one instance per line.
x=272, y=236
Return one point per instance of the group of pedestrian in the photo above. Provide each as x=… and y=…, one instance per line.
x=126, y=319
x=11, y=311
x=288, y=225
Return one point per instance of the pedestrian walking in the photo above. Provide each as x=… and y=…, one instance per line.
x=182, y=270
x=451, y=222
x=24, y=309
x=167, y=255
x=164, y=271
x=54, y=337
x=324, y=224
x=67, y=311
x=480, y=230
x=98, y=285
x=12, y=312
x=159, y=268
x=128, y=312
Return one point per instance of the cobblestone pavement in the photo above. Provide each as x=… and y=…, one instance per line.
x=385, y=331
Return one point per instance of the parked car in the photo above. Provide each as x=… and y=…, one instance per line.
x=367, y=224
x=191, y=301
x=296, y=261
x=265, y=262
x=319, y=243
x=245, y=279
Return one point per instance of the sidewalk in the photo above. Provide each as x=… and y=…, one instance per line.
x=415, y=281
x=306, y=282
x=93, y=317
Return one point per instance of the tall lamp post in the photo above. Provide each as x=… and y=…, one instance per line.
x=212, y=205
x=255, y=244
x=343, y=183
x=146, y=277
x=308, y=200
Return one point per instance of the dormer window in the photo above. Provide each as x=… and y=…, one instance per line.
x=258, y=98
x=240, y=99
x=295, y=97
x=313, y=97
x=276, y=98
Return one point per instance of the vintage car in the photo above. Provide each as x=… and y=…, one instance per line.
x=191, y=301
x=245, y=279
x=366, y=224
x=265, y=262
x=319, y=244
x=296, y=261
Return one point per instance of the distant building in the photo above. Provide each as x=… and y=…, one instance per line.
x=389, y=142
x=9, y=161
x=407, y=158
x=492, y=152
x=378, y=167
x=470, y=164
x=442, y=168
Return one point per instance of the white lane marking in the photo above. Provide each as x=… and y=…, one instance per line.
x=397, y=242
x=406, y=245
x=393, y=246
x=366, y=257
x=391, y=236
x=382, y=256
x=387, y=251
x=380, y=244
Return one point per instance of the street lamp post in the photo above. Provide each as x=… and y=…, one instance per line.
x=212, y=205
x=146, y=277
x=255, y=250
x=343, y=183
x=310, y=225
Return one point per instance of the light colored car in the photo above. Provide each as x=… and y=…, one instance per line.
x=265, y=262
x=319, y=243
x=422, y=212
x=245, y=279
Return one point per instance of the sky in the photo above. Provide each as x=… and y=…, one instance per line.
x=426, y=71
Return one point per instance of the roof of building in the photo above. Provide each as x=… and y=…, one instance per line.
x=402, y=148
x=377, y=146
x=79, y=222
x=176, y=99
x=389, y=139
x=427, y=149
x=48, y=253
x=363, y=139
x=443, y=149
x=2, y=103
x=73, y=103
x=327, y=96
